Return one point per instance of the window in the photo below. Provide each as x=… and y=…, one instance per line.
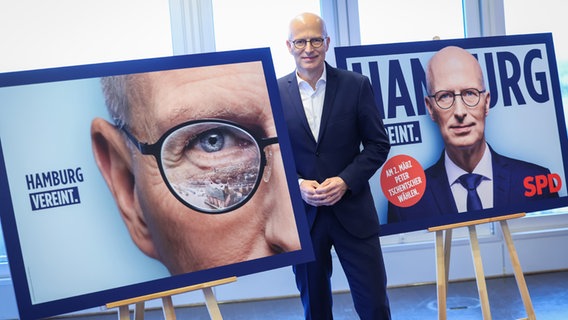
x=43, y=34
x=410, y=20
x=2, y=247
x=525, y=17
x=249, y=29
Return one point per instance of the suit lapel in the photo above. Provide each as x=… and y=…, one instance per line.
x=440, y=188
x=330, y=91
x=501, y=181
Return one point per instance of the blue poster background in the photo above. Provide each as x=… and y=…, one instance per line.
x=526, y=120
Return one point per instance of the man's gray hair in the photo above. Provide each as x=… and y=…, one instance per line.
x=121, y=93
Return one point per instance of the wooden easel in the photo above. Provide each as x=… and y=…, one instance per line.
x=443, y=248
x=167, y=305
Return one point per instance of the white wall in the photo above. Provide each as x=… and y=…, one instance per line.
x=50, y=33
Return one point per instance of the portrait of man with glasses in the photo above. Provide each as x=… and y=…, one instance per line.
x=469, y=175
x=194, y=165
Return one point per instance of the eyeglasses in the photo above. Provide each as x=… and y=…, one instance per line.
x=211, y=166
x=445, y=99
x=301, y=43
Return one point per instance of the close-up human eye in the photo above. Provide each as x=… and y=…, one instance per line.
x=472, y=93
x=204, y=139
x=444, y=96
x=300, y=42
x=221, y=140
x=212, y=140
x=209, y=145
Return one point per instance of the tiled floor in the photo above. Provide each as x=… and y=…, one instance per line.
x=548, y=292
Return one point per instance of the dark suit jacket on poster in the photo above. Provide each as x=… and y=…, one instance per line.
x=508, y=189
x=350, y=117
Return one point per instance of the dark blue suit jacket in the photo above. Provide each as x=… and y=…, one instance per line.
x=508, y=189
x=352, y=144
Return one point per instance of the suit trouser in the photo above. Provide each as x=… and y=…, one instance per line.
x=362, y=262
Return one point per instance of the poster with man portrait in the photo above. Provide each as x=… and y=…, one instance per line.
x=476, y=125
x=128, y=178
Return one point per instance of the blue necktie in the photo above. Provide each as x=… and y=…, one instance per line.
x=470, y=181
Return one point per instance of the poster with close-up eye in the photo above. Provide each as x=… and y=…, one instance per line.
x=129, y=178
x=476, y=125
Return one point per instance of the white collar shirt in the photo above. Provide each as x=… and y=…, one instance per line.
x=485, y=188
x=312, y=100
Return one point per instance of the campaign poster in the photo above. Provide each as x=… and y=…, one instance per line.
x=129, y=178
x=497, y=118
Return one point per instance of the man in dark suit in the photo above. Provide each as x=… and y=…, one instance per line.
x=498, y=180
x=338, y=140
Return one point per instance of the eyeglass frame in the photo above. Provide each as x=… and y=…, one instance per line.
x=479, y=92
x=294, y=42
x=155, y=149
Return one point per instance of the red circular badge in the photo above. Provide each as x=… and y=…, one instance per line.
x=403, y=180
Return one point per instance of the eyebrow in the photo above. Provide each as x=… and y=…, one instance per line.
x=254, y=121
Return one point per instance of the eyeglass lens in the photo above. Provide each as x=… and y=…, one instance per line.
x=211, y=166
x=301, y=43
x=445, y=99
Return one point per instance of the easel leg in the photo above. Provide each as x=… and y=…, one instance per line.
x=447, y=253
x=123, y=313
x=441, y=275
x=168, y=308
x=479, y=274
x=517, y=270
x=211, y=302
x=139, y=311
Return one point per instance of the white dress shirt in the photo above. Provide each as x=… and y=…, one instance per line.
x=485, y=188
x=312, y=101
